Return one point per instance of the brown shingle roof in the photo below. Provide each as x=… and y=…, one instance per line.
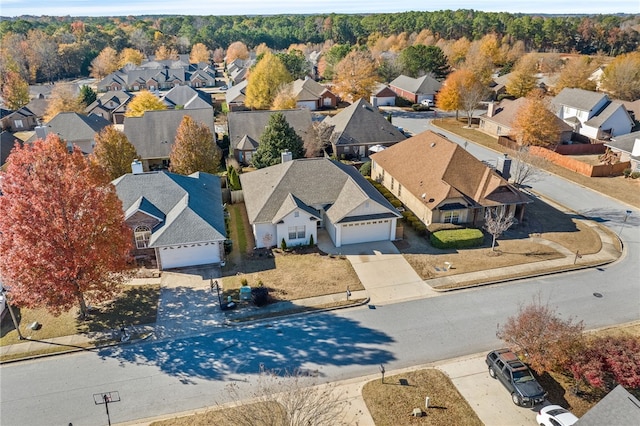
x=440, y=169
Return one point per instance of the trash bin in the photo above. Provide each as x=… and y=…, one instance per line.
x=245, y=292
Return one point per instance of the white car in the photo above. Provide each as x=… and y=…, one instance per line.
x=555, y=415
x=427, y=102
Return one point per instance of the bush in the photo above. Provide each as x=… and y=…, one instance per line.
x=635, y=175
x=420, y=228
x=228, y=246
x=365, y=169
x=457, y=238
x=260, y=295
x=311, y=242
x=627, y=172
x=244, y=282
x=420, y=107
x=396, y=203
x=283, y=245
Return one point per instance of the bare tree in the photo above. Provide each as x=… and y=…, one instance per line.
x=291, y=399
x=496, y=221
x=525, y=168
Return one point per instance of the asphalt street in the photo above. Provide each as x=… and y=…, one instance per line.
x=162, y=377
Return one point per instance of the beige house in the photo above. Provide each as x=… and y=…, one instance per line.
x=440, y=182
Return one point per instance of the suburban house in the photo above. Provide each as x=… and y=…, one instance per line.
x=359, y=127
x=440, y=182
x=154, y=133
x=158, y=75
x=293, y=200
x=416, y=90
x=246, y=128
x=20, y=120
x=382, y=95
x=177, y=220
x=498, y=120
x=618, y=407
x=592, y=114
x=185, y=97
x=312, y=95
x=75, y=129
x=111, y=106
x=628, y=148
x=237, y=70
x=235, y=96
x=7, y=142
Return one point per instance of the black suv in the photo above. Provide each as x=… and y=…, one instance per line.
x=505, y=366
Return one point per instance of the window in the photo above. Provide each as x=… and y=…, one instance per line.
x=296, y=214
x=297, y=232
x=18, y=124
x=142, y=236
x=399, y=190
x=392, y=182
x=451, y=216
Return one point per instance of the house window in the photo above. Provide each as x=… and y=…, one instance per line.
x=142, y=236
x=399, y=190
x=297, y=232
x=18, y=124
x=392, y=182
x=452, y=216
x=296, y=214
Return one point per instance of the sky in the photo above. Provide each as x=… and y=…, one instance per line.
x=273, y=7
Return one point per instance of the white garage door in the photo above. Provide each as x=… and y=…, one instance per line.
x=363, y=232
x=307, y=104
x=189, y=256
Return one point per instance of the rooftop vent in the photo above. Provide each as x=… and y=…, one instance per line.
x=433, y=144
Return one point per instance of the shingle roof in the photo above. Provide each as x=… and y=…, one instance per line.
x=190, y=205
x=361, y=123
x=253, y=123
x=307, y=89
x=584, y=100
x=430, y=165
x=507, y=110
x=382, y=91
x=154, y=133
x=247, y=143
x=187, y=97
x=315, y=182
x=72, y=126
x=624, y=142
x=236, y=93
x=605, y=114
x=426, y=84
x=7, y=142
x=618, y=407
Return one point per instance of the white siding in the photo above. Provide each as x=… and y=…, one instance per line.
x=189, y=255
x=303, y=220
x=265, y=235
x=367, y=231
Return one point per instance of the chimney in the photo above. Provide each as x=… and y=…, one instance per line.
x=491, y=109
x=136, y=167
x=504, y=167
x=635, y=151
x=286, y=156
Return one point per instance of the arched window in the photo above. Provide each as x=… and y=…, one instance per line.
x=142, y=236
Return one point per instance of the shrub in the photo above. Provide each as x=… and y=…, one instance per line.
x=283, y=245
x=365, y=169
x=260, y=295
x=627, y=172
x=228, y=246
x=420, y=228
x=396, y=203
x=311, y=242
x=407, y=214
x=244, y=282
x=420, y=107
x=635, y=175
x=457, y=238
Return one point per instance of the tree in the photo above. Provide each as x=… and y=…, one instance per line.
x=523, y=80
x=420, y=60
x=608, y=361
x=525, y=167
x=63, y=99
x=317, y=139
x=534, y=123
x=472, y=91
x=575, y=74
x=496, y=221
x=130, y=56
x=144, y=101
x=87, y=95
x=195, y=149
x=63, y=238
x=622, y=77
x=278, y=137
x=537, y=332
x=264, y=80
x=113, y=152
x=233, y=178
x=15, y=90
x=284, y=98
x=365, y=169
x=288, y=399
x=163, y=53
x=237, y=50
x=105, y=63
x=449, y=96
x=355, y=76
x=295, y=62
x=199, y=53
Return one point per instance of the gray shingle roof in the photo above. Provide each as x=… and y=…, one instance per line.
x=154, y=133
x=618, y=407
x=236, y=93
x=605, y=114
x=584, y=100
x=187, y=97
x=361, y=123
x=253, y=123
x=72, y=126
x=190, y=205
x=426, y=85
x=624, y=142
x=7, y=142
x=316, y=182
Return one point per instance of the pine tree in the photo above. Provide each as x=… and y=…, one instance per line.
x=278, y=136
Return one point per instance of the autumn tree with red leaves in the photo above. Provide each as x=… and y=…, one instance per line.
x=546, y=341
x=63, y=238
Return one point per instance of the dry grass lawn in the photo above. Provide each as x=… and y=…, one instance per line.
x=392, y=402
x=627, y=190
x=215, y=416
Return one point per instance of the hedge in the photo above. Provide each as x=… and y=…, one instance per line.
x=457, y=238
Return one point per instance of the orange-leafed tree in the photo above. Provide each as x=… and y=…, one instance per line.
x=195, y=149
x=63, y=238
x=163, y=53
x=144, y=101
x=105, y=63
x=130, y=56
x=355, y=76
x=15, y=90
x=113, y=152
x=462, y=90
x=63, y=99
x=534, y=123
x=199, y=53
x=449, y=96
x=237, y=50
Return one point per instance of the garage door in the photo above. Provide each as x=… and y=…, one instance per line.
x=189, y=256
x=363, y=232
x=307, y=104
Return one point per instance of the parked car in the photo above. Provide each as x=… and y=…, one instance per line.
x=555, y=415
x=427, y=102
x=505, y=366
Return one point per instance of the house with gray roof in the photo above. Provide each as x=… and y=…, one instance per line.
x=359, y=127
x=382, y=95
x=628, y=148
x=246, y=129
x=313, y=95
x=293, y=200
x=235, y=96
x=592, y=114
x=154, y=133
x=111, y=106
x=75, y=129
x=618, y=407
x=499, y=118
x=7, y=142
x=186, y=97
x=176, y=220
x=416, y=90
